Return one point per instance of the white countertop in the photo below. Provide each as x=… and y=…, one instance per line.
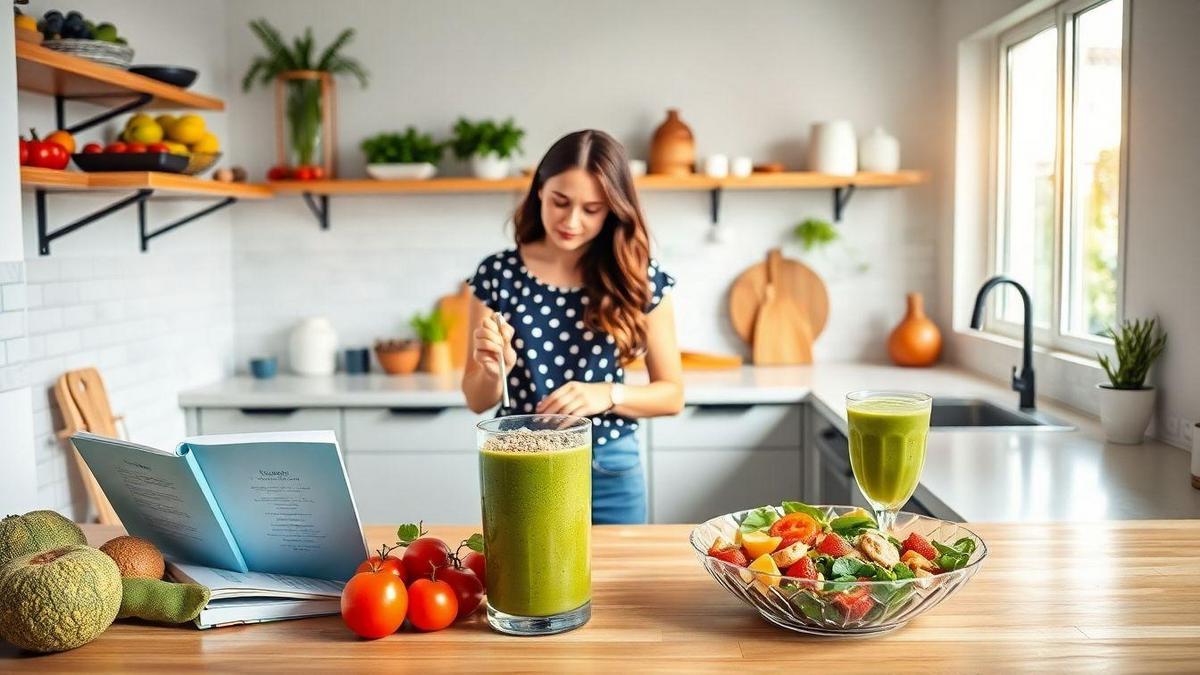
x=980, y=475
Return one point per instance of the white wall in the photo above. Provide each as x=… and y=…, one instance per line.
x=749, y=79
x=153, y=323
x=1162, y=244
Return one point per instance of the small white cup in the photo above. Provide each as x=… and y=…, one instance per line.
x=716, y=166
x=637, y=167
x=742, y=167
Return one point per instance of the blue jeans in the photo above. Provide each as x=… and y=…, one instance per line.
x=618, y=483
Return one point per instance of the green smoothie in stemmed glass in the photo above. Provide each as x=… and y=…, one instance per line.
x=887, y=431
x=535, y=475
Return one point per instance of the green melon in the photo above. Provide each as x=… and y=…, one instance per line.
x=35, y=532
x=58, y=600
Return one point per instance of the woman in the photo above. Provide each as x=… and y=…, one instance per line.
x=580, y=298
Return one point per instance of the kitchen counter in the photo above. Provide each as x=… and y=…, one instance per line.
x=1119, y=596
x=979, y=476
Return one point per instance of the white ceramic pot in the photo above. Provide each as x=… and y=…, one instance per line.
x=1125, y=413
x=490, y=166
x=832, y=148
x=402, y=171
x=879, y=152
x=313, y=347
x=716, y=166
x=741, y=167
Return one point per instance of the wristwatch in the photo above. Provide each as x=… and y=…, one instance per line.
x=616, y=394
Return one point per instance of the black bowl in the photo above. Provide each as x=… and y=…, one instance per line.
x=128, y=161
x=176, y=75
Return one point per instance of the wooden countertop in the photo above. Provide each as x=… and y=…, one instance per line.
x=1114, y=596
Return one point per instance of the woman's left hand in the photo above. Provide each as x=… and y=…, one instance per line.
x=578, y=398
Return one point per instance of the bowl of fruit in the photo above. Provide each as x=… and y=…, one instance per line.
x=829, y=570
x=73, y=34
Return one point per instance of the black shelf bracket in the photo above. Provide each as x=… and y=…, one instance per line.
x=319, y=205
x=45, y=236
x=60, y=113
x=146, y=235
x=715, y=196
x=841, y=197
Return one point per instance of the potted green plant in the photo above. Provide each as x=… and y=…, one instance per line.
x=433, y=329
x=408, y=155
x=304, y=80
x=490, y=146
x=1126, y=403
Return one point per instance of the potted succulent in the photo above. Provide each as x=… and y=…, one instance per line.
x=433, y=329
x=398, y=357
x=488, y=145
x=408, y=155
x=1126, y=403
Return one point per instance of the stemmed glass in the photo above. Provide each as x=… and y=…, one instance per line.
x=887, y=432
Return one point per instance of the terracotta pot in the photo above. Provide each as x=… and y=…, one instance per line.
x=399, y=361
x=673, y=149
x=435, y=357
x=916, y=341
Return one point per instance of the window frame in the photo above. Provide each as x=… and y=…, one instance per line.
x=1061, y=17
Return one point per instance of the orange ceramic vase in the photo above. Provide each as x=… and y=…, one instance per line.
x=917, y=340
x=673, y=149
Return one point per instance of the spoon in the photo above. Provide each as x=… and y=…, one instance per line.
x=504, y=401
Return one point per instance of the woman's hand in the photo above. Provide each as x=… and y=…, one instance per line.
x=492, y=336
x=578, y=398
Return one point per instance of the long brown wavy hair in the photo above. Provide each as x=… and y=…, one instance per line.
x=615, y=264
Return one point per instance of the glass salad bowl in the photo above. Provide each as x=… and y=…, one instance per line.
x=819, y=607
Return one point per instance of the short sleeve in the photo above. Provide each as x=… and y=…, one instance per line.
x=485, y=281
x=660, y=284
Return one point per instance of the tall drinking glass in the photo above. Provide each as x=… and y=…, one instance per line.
x=535, y=478
x=887, y=447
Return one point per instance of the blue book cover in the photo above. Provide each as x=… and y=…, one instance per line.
x=275, y=502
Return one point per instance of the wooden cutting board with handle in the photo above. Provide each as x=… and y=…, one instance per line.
x=456, y=309
x=796, y=310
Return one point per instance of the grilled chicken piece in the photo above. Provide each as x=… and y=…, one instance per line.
x=877, y=548
x=916, y=561
x=790, y=555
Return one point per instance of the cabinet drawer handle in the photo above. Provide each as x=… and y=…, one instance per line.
x=724, y=408
x=268, y=411
x=418, y=410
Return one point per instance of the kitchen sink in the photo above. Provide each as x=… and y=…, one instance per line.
x=971, y=413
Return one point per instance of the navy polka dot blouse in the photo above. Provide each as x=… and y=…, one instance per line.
x=552, y=343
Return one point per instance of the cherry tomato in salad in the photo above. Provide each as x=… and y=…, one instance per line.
x=796, y=527
x=468, y=589
x=374, y=603
x=424, y=555
x=433, y=604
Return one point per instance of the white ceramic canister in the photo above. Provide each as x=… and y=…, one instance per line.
x=833, y=149
x=313, y=347
x=879, y=151
x=716, y=166
x=741, y=166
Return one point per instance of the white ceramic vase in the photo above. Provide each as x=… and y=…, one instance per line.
x=879, y=152
x=832, y=148
x=1125, y=413
x=312, y=347
x=490, y=166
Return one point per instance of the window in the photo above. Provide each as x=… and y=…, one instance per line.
x=1058, y=171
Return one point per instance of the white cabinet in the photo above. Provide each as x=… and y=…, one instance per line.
x=411, y=429
x=249, y=420
x=436, y=487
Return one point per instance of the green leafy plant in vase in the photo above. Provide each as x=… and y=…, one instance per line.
x=306, y=78
x=1126, y=403
x=433, y=329
x=490, y=146
x=394, y=155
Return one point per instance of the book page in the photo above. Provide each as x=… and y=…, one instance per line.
x=287, y=500
x=161, y=496
x=230, y=584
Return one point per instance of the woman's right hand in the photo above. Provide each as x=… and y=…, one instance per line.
x=493, y=335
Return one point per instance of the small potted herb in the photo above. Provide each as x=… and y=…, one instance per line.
x=433, y=329
x=396, y=156
x=490, y=146
x=1126, y=403
x=398, y=357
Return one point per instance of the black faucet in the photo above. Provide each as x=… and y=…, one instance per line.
x=1023, y=383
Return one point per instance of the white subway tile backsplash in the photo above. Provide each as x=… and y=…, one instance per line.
x=44, y=320
x=11, y=271
x=41, y=270
x=17, y=349
x=12, y=297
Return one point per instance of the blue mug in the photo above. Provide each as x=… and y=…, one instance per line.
x=358, y=361
x=264, y=368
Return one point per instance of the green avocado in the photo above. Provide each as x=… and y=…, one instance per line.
x=60, y=599
x=35, y=532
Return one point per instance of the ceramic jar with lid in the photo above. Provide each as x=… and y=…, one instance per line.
x=879, y=152
x=833, y=149
x=312, y=347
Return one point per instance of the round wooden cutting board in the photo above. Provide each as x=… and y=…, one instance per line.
x=796, y=279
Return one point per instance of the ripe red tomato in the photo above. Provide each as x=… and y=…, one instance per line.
x=475, y=562
x=135, y=147
x=374, y=604
x=24, y=151
x=93, y=149
x=303, y=173
x=389, y=564
x=158, y=147
x=424, y=555
x=433, y=604
x=317, y=172
x=468, y=589
x=279, y=173
x=796, y=526
x=47, y=155
x=117, y=147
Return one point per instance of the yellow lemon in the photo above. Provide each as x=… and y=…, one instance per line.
x=145, y=132
x=207, y=143
x=140, y=118
x=176, y=148
x=758, y=544
x=187, y=129
x=165, y=121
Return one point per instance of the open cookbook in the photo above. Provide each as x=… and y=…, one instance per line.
x=266, y=521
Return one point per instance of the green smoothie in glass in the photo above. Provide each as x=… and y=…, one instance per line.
x=535, y=475
x=887, y=431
